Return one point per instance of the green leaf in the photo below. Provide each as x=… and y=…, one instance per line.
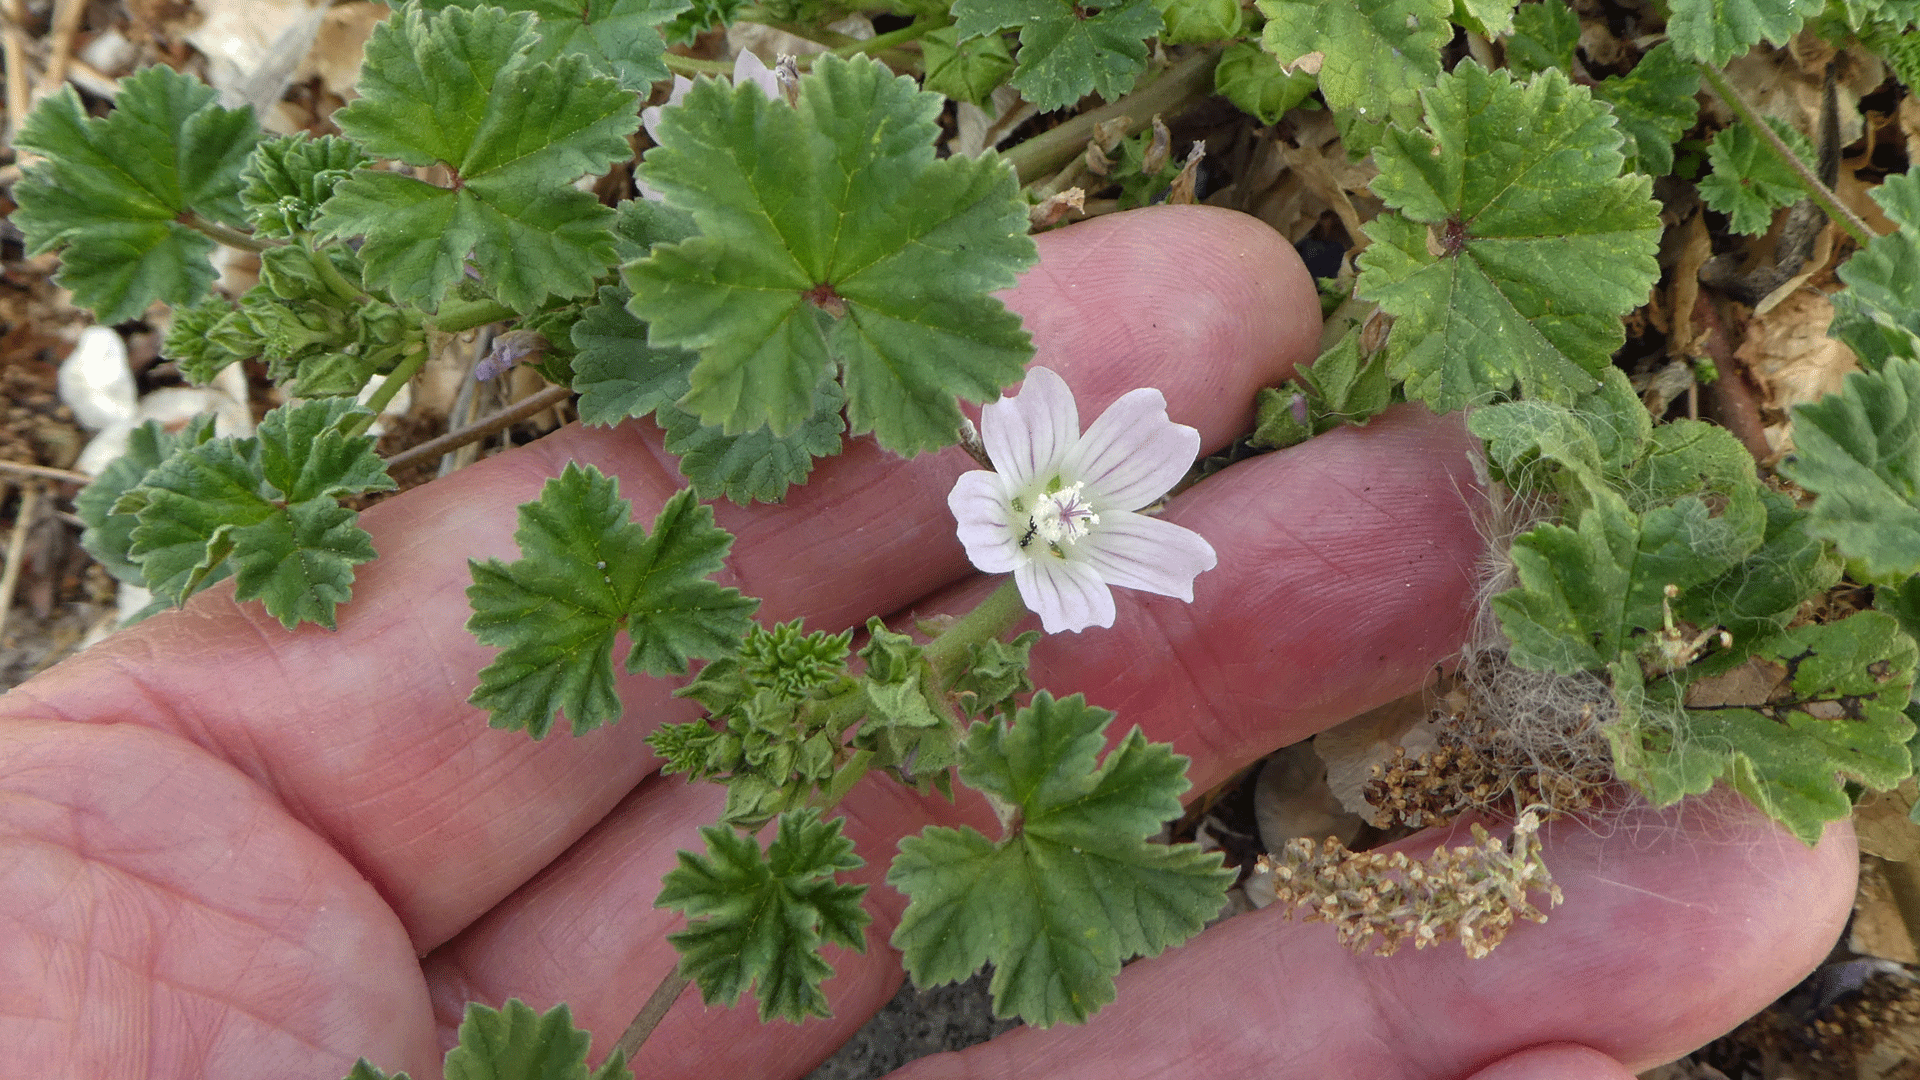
x=1544, y=36
x=270, y=503
x=192, y=345
x=760, y=921
x=1859, y=451
x=967, y=70
x=703, y=16
x=1836, y=710
x=1570, y=451
x=109, y=536
x=1655, y=104
x=459, y=88
x=1067, y=51
x=994, y=675
x=621, y=37
x=1718, y=30
x=587, y=571
x=288, y=177
x=1591, y=593
x=617, y=374
x=1488, y=18
x=113, y=190
x=1517, y=246
x=1074, y=888
x=1378, y=55
x=1253, y=80
x=1899, y=48
x=1757, y=598
x=1878, y=314
x=1749, y=181
x=831, y=240
x=759, y=465
x=1189, y=21
x=516, y=1043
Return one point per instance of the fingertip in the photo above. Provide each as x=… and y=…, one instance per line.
x=1559, y=1061
x=1199, y=301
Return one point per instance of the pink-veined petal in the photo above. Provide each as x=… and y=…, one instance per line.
x=1134, y=551
x=747, y=67
x=1133, y=454
x=1029, y=434
x=985, y=521
x=1066, y=595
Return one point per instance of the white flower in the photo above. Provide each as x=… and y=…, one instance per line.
x=746, y=68
x=1059, y=510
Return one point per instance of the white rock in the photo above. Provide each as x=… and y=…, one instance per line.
x=95, y=381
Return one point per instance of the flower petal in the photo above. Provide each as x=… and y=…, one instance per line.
x=1066, y=595
x=1133, y=454
x=650, y=116
x=748, y=67
x=1029, y=434
x=1134, y=551
x=986, y=521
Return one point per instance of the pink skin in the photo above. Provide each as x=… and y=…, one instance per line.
x=222, y=844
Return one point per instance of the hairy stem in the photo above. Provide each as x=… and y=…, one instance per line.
x=457, y=315
x=914, y=31
x=546, y=398
x=1186, y=82
x=226, y=234
x=650, y=1015
x=396, y=379
x=333, y=279
x=1821, y=194
x=996, y=615
x=688, y=66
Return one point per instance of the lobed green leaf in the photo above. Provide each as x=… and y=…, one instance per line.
x=759, y=921
x=831, y=241
x=1859, y=451
x=113, y=191
x=1074, y=888
x=515, y=1043
x=1491, y=291
x=586, y=572
x=621, y=37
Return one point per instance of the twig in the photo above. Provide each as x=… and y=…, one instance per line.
x=17, y=551
x=19, y=90
x=479, y=429
x=66, y=23
x=45, y=472
x=650, y=1015
x=1821, y=193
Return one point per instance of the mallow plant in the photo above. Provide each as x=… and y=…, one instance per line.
x=793, y=262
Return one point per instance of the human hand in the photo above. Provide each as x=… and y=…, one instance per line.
x=230, y=850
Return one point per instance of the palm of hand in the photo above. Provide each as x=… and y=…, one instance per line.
x=227, y=848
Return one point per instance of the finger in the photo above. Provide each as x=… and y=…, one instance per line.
x=364, y=735
x=1338, y=533
x=1676, y=927
x=164, y=917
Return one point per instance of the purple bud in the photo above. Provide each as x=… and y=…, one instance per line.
x=1299, y=409
x=508, y=349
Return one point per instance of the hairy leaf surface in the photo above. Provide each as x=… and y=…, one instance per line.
x=1517, y=245
x=113, y=191
x=586, y=572
x=1074, y=887
x=759, y=920
x=515, y=1043
x=460, y=88
x=833, y=243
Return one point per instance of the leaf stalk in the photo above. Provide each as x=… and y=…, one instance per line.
x=650, y=1014
x=227, y=234
x=1185, y=83
x=1822, y=195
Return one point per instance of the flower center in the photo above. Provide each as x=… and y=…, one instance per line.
x=1061, y=517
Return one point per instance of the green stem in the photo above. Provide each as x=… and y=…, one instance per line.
x=1185, y=83
x=226, y=234
x=688, y=66
x=396, y=379
x=654, y=1011
x=333, y=279
x=996, y=615
x=914, y=31
x=457, y=315
x=1821, y=194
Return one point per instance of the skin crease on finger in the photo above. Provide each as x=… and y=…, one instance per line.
x=363, y=736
